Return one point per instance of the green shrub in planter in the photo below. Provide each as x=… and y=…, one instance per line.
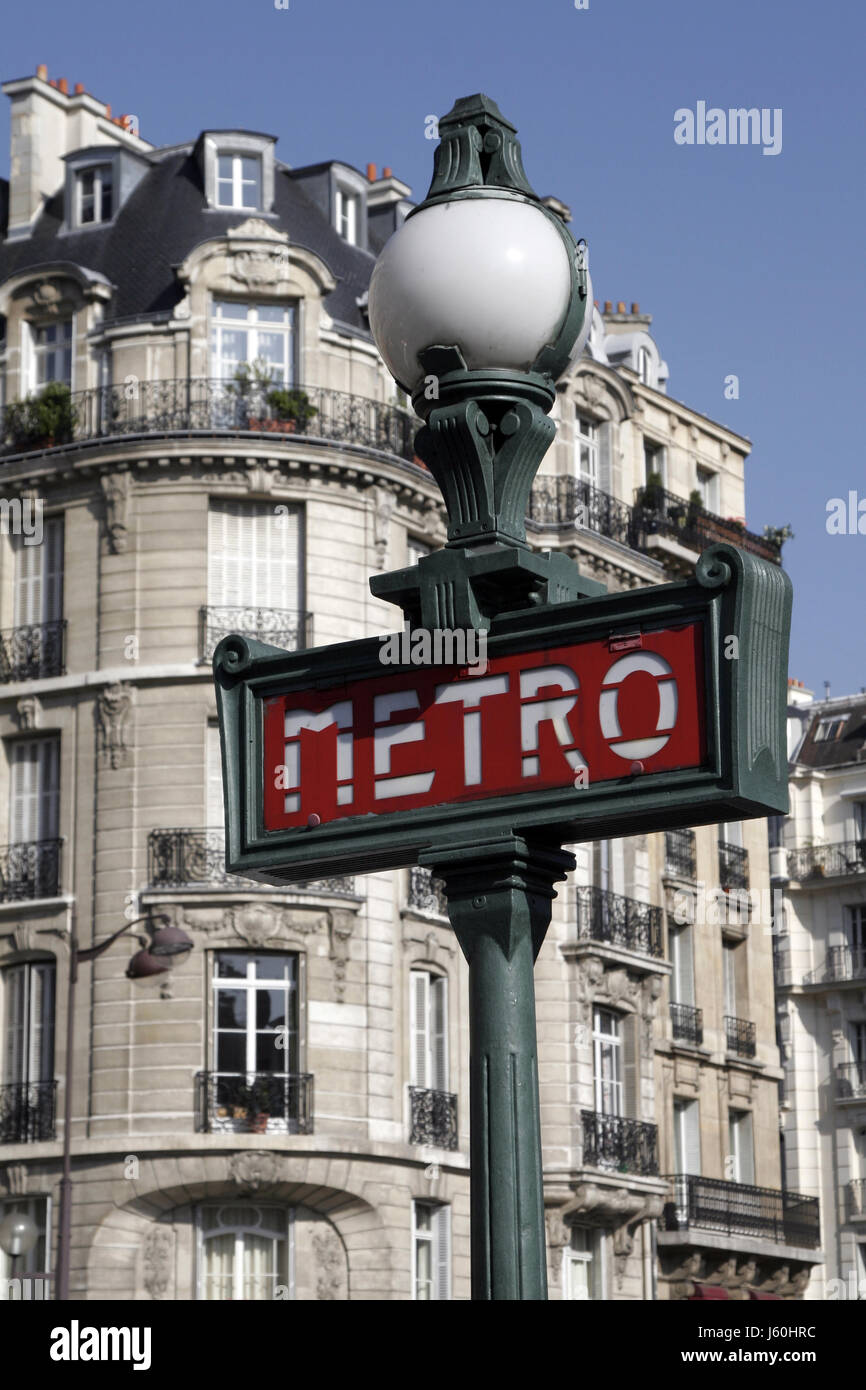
x=42, y=420
x=291, y=405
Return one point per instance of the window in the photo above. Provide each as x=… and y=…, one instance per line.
x=653, y=461
x=729, y=977
x=731, y=833
x=687, y=1137
x=830, y=729
x=858, y=810
x=428, y=1027
x=245, y=1253
x=431, y=1251
x=858, y=1045
x=346, y=213
x=34, y=1265
x=239, y=181
x=52, y=352
x=254, y=556
x=681, y=947
x=586, y=450
x=608, y=1063
x=582, y=1266
x=708, y=487
x=34, y=800
x=741, y=1156
x=246, y=333
x=256, y=1040
x=415, y=549
x=28, y=1023
x=644, y=366
x=857, y=933
x=37, y=584
x=95, y=194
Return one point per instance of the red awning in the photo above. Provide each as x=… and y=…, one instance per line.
x=777, y=1297
x=707, y=1291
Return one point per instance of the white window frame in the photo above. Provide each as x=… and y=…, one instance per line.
x=659, y=455
x=37, y=581
x=741, y=1141
x=35, y=353
x=587, y=439
x=29, y=1058
x=607, y=1042
x=644, y=365
x=729, y=977
x=239, y=1230
x=251, y=984
x=346, y=209
x=687, y=1136
x=587, y=1249
x=829, y=727
x=34, y=789
x=98, y=172
x=253, y=326
x=681, y=948
x=439, y=1239
x=237, y=180
x=428, y=1030
x=707, y=484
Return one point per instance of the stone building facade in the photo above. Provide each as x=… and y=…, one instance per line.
x=284, y=1113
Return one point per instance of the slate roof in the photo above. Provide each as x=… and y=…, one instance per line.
x=851, y=738
x=165, y=216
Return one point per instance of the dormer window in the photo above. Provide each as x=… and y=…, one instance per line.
x=644, y=366
x=239, y=181
x=95, y=194
x=346, y=208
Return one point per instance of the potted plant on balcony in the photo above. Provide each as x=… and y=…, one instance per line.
x=254, y=1104
x=291, y=410
x=650, y=501
x=41, y=421
x=247, y=388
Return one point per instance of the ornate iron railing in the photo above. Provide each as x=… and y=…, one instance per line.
x=255, y=1103
x=851, y=1081
x=739, y=1036
x=569, y=501
x=32, y=651
x=841, y=963
x=856, y=1199
x=30, y=870
x=733, y=866
x=827, y=861
x=657, y=512
x=680, y=854
x=279, y=626
x=426, y=893
x=737, y=1209
x=618, y=1144
x=687, y=1024
x=184, y=857
x=432, y=1118
x=618, y=920
x=28, y=1112
x=209, y=405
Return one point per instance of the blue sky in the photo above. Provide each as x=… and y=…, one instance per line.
x=750, y=264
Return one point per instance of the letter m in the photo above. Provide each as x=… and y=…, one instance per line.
x=740, y=121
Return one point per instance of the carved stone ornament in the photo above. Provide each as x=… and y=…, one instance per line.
x=383, y=508
x=259, y=923
x=116, y=488
x=558, y=1230
x=113, y=709
x=29, y=713
x=13, y=1176
x=341, y=925
x=158, y=1260
x=254, y=1168
x=330, y=1263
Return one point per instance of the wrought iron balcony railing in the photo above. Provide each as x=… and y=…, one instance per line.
x=569, y=501
x=433, y=1118
x=255, y=1103
x=815, y=862
x=841, y=963
x=618, y=921
x=28, y=1112
x=737, y=1209
x=30, y=870
x=680, y=854
x=618, y=1144
x=657, y=512
x=209, y=405
x=426, y=893
x=185, y=857
x=279, y=626
x=739, y=1036
x=33, y=651
x=856, y=1203
x=733, y=866
x=851, y=1081
x=687, y=1024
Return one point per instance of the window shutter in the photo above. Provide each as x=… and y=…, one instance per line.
x=253, y=555
x=14, y=1014
x=419, y=1017
x=682, y=959
x=439, y=1030
x=41, y=1063
x=27, y=585
x=630, y=1078
x=692, y=1146
x=442, y=1252
x=729, y=972
x=34, y=790
x=605, y=455
x=52, y=580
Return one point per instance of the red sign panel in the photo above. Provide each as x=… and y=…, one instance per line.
x=578, y=714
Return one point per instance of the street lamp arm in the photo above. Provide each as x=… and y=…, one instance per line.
x=93, y=952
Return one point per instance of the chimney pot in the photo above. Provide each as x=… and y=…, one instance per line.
x=607, y=306
x=63, y=86
x=371, y=173
x=620, y=307
x=53, y=82
x=42, y=72
x=79, y=88
x=387, y=172
x=635, y=308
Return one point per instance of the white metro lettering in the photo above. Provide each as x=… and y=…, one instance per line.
x=608, y=705
x=534, y=712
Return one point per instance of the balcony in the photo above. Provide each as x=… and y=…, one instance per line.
x=660, y=513
x=209, y=405
x=432, y=1118
x=27, y=1112
x=30, y=870
x=619, y=1145
x=842, y=963
x=278, y=626
x=687, y=1024
x=856, y=1199
x=426, y=893
x=851, y=1081
x=813, y=863
x=255, y=1103
x=618, y=921
x=739, y=1036
x=733, y=866
x=569, y=501
x=184, y=857
x=680, y=854
x=33, y=651
x=736, y=1209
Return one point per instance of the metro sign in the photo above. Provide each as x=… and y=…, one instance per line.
x=609, y=715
